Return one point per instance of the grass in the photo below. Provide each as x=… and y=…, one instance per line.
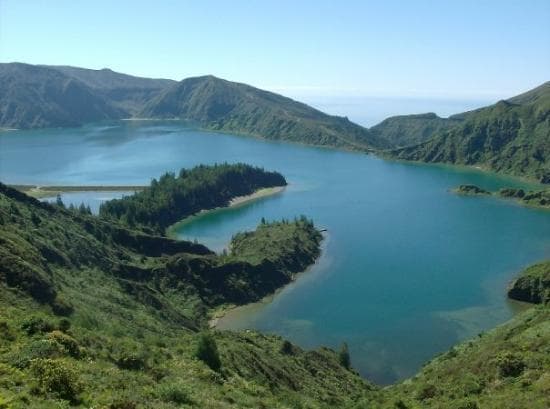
x=98, y=315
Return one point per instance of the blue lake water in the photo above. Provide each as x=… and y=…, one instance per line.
x=408, y=269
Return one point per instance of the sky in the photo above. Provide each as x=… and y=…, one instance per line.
x=482, y=49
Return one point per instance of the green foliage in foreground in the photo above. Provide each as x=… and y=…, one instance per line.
x=172, y=198
x=506, y=368
x=135, y=306
x=95, y=315
x=207, y=351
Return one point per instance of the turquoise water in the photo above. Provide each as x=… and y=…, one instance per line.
x=408, y=269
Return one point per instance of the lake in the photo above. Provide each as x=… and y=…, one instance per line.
x=408, y=269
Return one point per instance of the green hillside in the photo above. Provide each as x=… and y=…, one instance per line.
x=125, y=92
x=38, y=97
x=406, y=130
x=221, y=105
x=511, y=137
x=97, y=315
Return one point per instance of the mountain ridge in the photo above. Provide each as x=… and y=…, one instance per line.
x=511, y=136
x=208, y=101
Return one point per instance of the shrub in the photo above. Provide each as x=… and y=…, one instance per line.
x=131, y=361
x=35, y=324
x=344, y=357
x=123, y=404
x=41, y=348
x=400, y=405
x=427, y=391
x=6, y=331
x=207, y=351
x=175, y=392
x=68, y=344
x=509, y=365
x=465, y=404
x=3, y=403
x=58, y=378
x=287, y=348
x=64, y=324
x=61, y=307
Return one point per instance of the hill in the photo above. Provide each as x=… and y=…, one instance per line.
x=94, y=314
x=406, y=130
x=125, y=92
x=221, y=105
x=97, y=314
x=34, y=96
x=511, y=137
x=37, y=97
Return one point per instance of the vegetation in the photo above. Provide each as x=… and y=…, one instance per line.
x=38, y=96
x=533, y=285
x=172, y=198
x=47, y=96
x=537, y=198
x=510, y=137
x=344, y=357
x=96, y=314
x=207, y=352
x=508, y=367
x=471, y=190
x=227, y=106
x=408, y=130
x=132, y=309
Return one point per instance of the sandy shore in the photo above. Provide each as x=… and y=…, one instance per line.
x=235, y=202
x=258, y=194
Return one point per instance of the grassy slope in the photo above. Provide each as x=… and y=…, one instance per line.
x=134, y=317
x=508, y=367
x=134, y=303
x=510, y=137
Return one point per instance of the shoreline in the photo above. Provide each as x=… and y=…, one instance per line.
x=41, y=192
x=233, y=203
x=223, y=310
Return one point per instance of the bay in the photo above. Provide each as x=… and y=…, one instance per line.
x=408, y=269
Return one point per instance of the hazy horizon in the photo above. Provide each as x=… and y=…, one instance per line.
x=452, y=50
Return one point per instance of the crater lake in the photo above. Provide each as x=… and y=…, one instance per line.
x=408, y=268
